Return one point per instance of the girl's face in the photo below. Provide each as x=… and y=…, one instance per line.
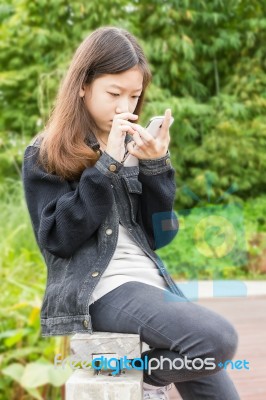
x=112, y=94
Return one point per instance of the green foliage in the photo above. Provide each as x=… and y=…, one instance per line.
x=184, y=259
x=37, y=374
x=208, y=64
x=23, y=277
x=37, y=41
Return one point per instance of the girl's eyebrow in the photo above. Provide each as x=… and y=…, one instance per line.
x=120, y=87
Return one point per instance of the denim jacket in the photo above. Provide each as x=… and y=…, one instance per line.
x=76, y=227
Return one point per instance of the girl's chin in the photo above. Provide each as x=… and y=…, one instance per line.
x=104, y=128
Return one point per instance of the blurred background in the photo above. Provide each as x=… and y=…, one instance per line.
x=208, y=63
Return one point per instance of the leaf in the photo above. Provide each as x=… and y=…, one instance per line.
x=17, y=337
x=14, y=371
x=40, y=373
x=34, y=393
x=18, y=306
x=34, y=316
x=20, y=353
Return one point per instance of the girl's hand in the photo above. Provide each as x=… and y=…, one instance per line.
x=145, y=146
x=116, y=139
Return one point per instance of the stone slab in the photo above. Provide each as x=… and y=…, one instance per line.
x=85, y=385
x=109, y=344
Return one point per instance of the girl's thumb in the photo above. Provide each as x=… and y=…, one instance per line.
x=130, y=145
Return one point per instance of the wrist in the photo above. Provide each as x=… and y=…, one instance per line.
x=156, y=165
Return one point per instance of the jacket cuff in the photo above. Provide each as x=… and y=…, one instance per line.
x=108, y=165
x=156, y=165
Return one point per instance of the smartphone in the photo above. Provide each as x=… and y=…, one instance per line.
x=153, y=127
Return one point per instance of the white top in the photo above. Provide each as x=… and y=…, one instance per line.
x=129, y=263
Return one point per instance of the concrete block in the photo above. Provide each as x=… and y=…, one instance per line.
x=109, y=344
x=85, y=385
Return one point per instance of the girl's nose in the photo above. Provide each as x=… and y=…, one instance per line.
x=122, y=107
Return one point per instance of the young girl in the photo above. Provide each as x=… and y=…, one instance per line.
x=98, y=222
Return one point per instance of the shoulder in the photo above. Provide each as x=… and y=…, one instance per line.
x=33, y=167
x=31, y=162
x=36, y=141
x=33, y=147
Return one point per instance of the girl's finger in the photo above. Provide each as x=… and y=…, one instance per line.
x=131, y=145
x=143, y=133
x=127, y=128
x=134, y=149
x=126, y=115
x=125, y=122
x=164, y=131
x=138, y=139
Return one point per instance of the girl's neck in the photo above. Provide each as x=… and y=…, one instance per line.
x=102, y=139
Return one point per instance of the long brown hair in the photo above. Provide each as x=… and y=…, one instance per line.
x=108, y=50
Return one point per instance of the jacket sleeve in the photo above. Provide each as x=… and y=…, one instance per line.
x=155, y=213
x=63, y=218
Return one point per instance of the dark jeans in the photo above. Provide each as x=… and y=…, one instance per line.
x=173, y=327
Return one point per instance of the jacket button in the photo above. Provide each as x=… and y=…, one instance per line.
x=167, y=161
x=108, y=231
x=94, y=274
x=112, y=167
x=85, y=323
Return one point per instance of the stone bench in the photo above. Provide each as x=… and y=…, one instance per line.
x=89, y=384
x=101, y=384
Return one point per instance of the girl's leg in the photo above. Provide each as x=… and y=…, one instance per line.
x=174, y=328
x=218, y=386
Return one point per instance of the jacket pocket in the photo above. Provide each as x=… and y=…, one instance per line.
x=133, y=189
x=133, y=185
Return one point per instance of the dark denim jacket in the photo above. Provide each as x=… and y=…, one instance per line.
x=78, y=241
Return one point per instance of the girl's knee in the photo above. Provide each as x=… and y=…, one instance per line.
x=225, y=341
x=230, y=341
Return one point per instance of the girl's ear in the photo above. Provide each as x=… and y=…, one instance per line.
x=82, y=92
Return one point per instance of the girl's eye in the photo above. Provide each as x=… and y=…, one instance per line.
x=117, y=94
